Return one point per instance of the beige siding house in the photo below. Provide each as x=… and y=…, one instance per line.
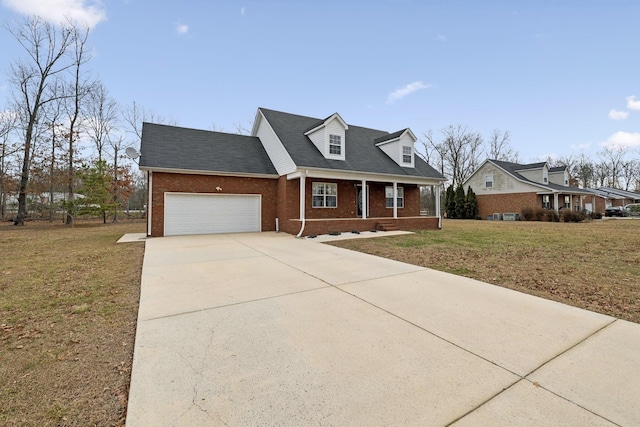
x=505, y=187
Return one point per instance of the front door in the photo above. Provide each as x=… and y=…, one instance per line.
x=359, y=201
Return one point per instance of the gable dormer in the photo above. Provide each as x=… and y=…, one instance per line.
x=329, y=136
x=399, y=146
x=536, y=172
x=559, y=175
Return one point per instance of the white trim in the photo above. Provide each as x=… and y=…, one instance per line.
x=324, y=193
x=406, y=131
x=216, y=173
x=359, y=176
x=324, y=123
x=149, y=201
x=303, y=190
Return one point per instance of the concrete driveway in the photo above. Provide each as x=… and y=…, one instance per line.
x=266, y=329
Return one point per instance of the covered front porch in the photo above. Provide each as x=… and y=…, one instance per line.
x=577, y=200
x=335, y=202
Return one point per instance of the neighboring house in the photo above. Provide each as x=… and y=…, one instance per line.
x=505, y=187
x=608, y=196
x=297, y=174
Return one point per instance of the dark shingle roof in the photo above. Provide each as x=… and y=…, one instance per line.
x=171, y=147
x=558, y=169
x=361, y=154
x=389, y=137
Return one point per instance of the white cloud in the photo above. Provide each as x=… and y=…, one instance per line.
x=83, y=12
x=622, y=139
x=581, y=147
x=182, y=29
x=632, y=104
x=441, y=37
x=406, y=90
x=618, y=115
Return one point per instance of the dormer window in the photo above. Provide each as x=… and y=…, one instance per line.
x=329, y=137
x=407, y=154
x=335, y=144
x=545, y=175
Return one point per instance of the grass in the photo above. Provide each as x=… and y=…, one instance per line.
x=68, y=307
x=593, y=265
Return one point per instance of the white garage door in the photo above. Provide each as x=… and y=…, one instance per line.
x=191, y=213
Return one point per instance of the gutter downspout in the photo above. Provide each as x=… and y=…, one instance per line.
x=438, y=207
x=303, y=184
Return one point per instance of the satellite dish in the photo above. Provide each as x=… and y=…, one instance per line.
x=132, y=153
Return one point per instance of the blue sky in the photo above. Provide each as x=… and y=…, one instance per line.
x=563, y=77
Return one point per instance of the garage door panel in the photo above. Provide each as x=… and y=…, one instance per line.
x=191, y=213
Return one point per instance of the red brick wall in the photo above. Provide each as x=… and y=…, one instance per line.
x=280, y=199
x=187, y=183
x=488, y=204
x=347, y=201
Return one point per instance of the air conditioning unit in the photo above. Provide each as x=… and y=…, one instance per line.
x=509, y=216
x=497, y=216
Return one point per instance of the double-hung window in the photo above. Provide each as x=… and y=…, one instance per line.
x=567, y=202
x=335, y=145
x=546, y=202
x=488, y=181
x=325, y=195
x=388, y=194
x=406, y=154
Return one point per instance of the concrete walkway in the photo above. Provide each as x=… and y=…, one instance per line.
x=266, y=329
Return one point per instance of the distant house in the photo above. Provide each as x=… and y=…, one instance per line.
x=298, y=174
x=505, y=187
x=608, y=196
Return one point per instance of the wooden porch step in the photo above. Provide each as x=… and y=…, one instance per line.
x=387, y=226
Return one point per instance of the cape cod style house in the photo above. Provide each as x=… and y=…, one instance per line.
x=505, y=187
x=297, y=174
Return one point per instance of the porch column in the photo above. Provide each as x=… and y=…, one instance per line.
x=438, y=205
x=593, y=204
x=555, y=201
x=364, y=199
x=395, y=200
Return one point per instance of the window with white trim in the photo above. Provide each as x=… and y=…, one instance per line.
x=325, y=195
x=567, y=202
x=545, y=176
x=335, y=145
x=388, y=194
x=488, y=181
x=407, y=154
x=546, y=202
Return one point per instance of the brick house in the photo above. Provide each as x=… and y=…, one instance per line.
x=505, y=187
x=608, y=196
x=297, y=174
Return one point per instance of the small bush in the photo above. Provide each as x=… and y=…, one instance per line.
x=540, y=214
x=570, y=216
x=527, y=213
x=597, y=215
x=552, y=216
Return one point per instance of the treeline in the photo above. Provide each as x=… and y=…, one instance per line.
x=62, y=136
x=458, y=151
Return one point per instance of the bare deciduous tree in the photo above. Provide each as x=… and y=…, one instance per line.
x=500, y=147
x=8, y=121
x=102, y=117
x=77, y=90
x=613, y=157
x=458, y=153
x=34, y=82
